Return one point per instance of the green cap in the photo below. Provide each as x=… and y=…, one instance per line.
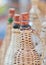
x=10, y=20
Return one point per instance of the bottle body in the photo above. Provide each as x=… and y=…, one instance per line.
x=26, y=54
x=13, y=47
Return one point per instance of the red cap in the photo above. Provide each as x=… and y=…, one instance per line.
x=12, y=11
x=17, y=18
x=25, y=18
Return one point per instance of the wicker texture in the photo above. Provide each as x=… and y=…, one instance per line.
x=26, y=55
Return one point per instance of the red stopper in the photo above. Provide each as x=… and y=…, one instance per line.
x=17, y=18
x=12, y=12
x=25, y=18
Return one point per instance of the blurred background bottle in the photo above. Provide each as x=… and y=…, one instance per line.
x=35, y=15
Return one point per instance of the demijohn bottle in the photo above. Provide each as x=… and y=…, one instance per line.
x=7, y=39
x=15, y=41
x=26, y=55
x=11, y=13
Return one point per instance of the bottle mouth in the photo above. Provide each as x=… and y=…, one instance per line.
x=19, y=25
x=17, y=22
x=24, y=23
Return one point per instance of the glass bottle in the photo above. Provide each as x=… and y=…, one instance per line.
x=7, y=39
x=11, y=13
x=15, y=41
x=35, y=15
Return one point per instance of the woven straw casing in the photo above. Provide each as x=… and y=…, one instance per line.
x=26, y=55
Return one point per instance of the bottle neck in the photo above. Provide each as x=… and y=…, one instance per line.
x=17, y=22
x=34, y=6
x=34, y=3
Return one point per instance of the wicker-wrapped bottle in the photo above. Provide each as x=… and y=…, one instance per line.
x=26, y=55
x=14, y=42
